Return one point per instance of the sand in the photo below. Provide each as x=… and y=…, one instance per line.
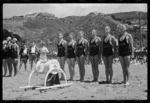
x=81, y=90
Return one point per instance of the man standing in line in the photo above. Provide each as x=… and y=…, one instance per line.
x=33, y=54
x=15, y=55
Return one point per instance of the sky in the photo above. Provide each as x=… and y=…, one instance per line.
x=63, y=10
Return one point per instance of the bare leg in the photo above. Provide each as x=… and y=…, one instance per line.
x=123, y=67
x=63, y=65
x=106, y=68
x=110, y=62
x=25, y=64
x=5, y=66
x=59, y=63
x=127, y=65
x=9, y=61
x=73, y=65
x=96, y=62
x=79, y=64
x=82, y=59
x=69, y=66
x=31, y=64
x=15, y=62
x=92, y=64
x=21, y=62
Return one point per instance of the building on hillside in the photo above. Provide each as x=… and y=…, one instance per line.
x=144, y=27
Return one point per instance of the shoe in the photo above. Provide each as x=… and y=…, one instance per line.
x=70, y=79
x=107, y=82
x=81, y=80
x=127, y=83
x=94, y=80
x=62, y=78
x=110, y=82
x=8, y=75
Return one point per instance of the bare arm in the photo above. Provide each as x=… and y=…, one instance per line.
x=47, y=51
x=65, y=45
x=100, y=48
x=89, y=48
x=115, y=44
x=75, y=47
x=18, y=50
x=131, y=43
x=4, y=47
x=86, y=47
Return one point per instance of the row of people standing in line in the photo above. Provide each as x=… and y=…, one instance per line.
x=96, y=49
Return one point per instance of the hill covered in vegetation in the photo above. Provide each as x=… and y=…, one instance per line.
x=45, y=26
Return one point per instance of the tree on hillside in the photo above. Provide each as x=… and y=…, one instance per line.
x=6, y=34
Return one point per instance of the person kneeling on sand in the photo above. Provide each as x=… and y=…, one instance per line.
x=52, y=78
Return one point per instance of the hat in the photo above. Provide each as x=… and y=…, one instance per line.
x=4, y=41
x=108, y=27
x=14, y=39
x=8, y=38
x=121, y=26
x=42, y=43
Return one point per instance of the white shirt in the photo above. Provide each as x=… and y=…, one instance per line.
x=43, y=52
x=33, y=49
x=25, y=51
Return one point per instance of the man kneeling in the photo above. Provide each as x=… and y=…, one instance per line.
x=53, y=78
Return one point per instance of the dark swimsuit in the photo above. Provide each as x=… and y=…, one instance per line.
x=94, y=49
x=23, y=56
x=70, y=51
x=4, y=54
x=10, y=51
x=107, y=49
x=15, y=55
x=124, y=48
x=80, y=50
x=61, y=50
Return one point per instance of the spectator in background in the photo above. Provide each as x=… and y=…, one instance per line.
x=4, y=57
x=15, y=55
x=43, y=56
x=43, y=52
x=9, y=51
x=24, y=55
x=33, y=54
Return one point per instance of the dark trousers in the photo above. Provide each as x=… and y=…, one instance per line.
x=52, y=79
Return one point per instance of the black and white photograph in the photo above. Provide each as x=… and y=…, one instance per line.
x=79, y=51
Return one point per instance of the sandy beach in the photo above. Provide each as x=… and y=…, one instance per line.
x=81, y=90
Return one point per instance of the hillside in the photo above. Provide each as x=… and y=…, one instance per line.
x=132, y=17
x=6, y=34
x=45, y=26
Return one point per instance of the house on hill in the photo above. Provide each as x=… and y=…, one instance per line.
x=144, y=27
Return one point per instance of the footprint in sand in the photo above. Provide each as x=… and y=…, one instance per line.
x=145, y=90
x=22, y=98
x=65, y=97
x=92, y=96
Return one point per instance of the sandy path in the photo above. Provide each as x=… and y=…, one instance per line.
x=81, y=91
